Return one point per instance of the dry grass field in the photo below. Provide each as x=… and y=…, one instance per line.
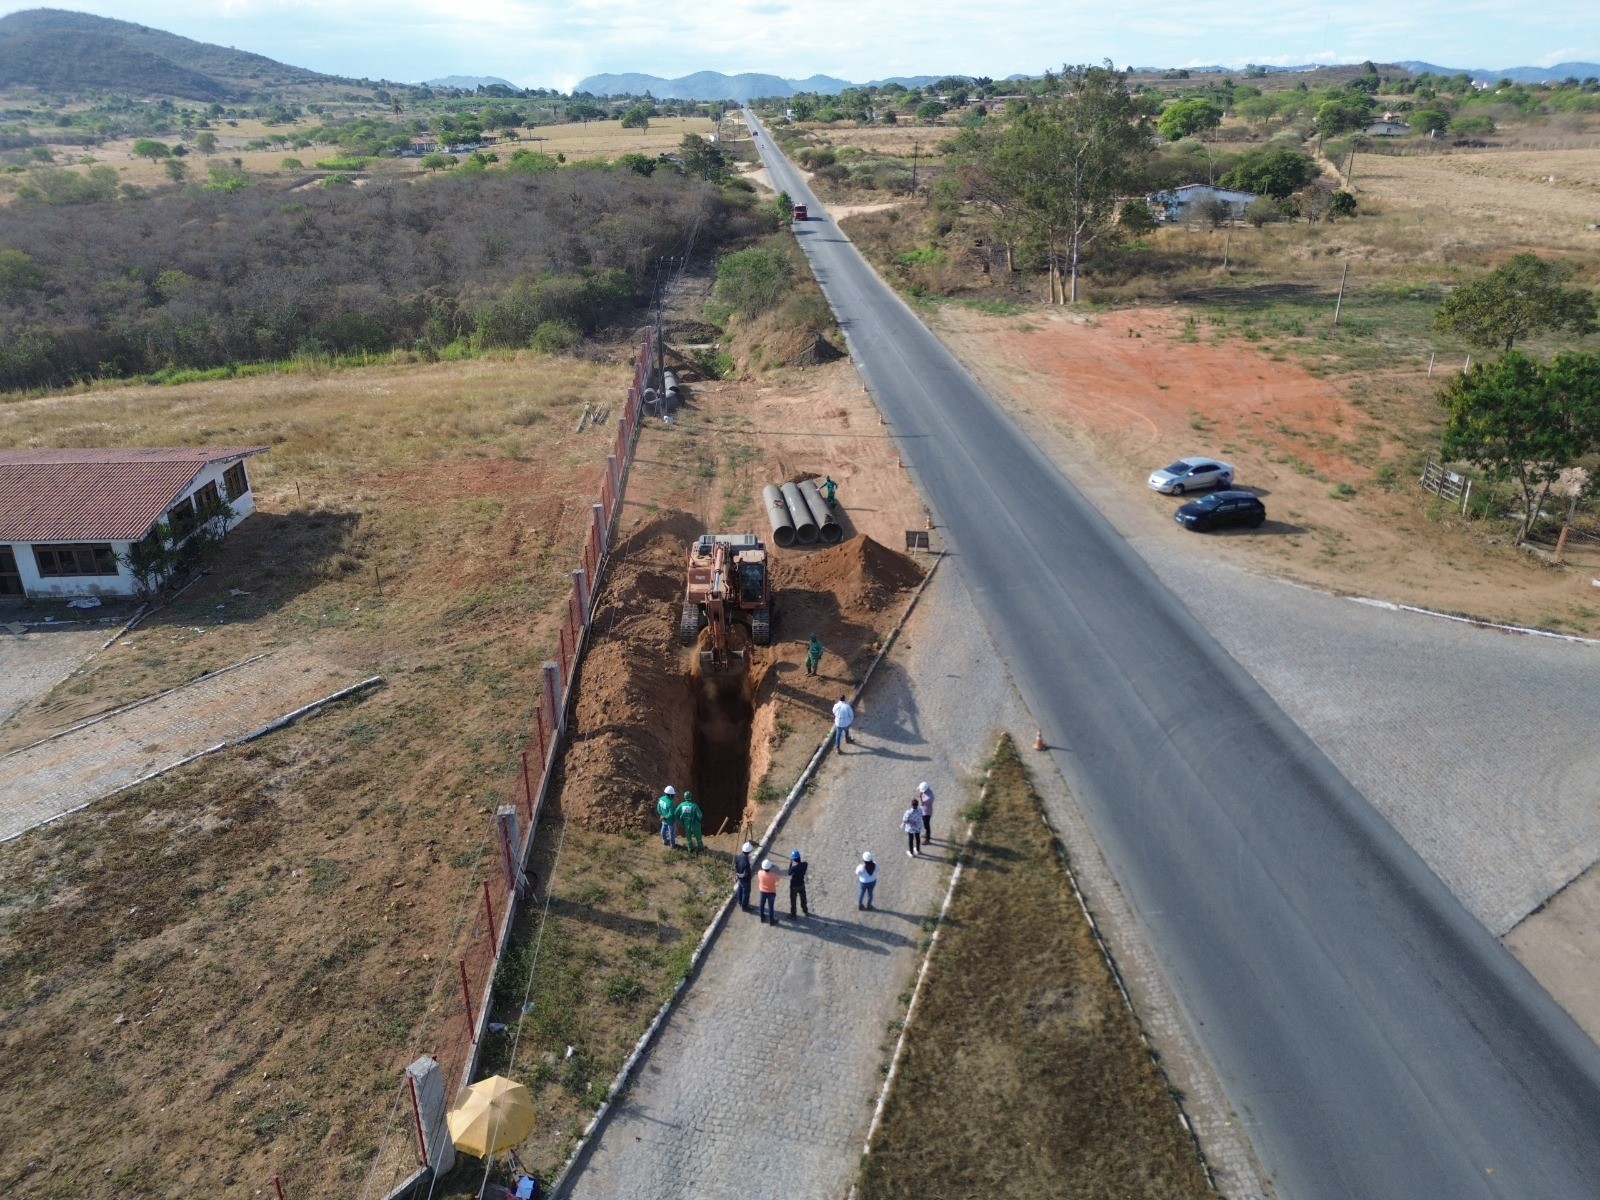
x=594, y=139
x=1488, y=200
x=1038, y=1088
x=219, y=974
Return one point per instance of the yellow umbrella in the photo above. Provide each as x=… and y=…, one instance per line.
x=491, y=1115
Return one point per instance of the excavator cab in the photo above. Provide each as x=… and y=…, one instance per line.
x=726, y=586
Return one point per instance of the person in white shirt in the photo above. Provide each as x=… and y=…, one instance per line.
x=867, y=877
x=843, y=717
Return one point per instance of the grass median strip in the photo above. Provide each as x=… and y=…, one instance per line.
x=1024, y=1073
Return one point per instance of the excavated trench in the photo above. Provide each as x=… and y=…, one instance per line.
x=724, y=711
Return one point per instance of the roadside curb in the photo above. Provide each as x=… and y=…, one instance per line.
x=590, y=1135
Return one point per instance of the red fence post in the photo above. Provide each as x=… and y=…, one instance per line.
x=488, y=904
x=416, y=1116
x=527, y=788
x=466, y=993
x=277, y=1185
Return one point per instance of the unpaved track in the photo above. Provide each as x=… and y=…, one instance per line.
x=1375, y=1038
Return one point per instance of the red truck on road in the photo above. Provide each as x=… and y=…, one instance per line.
x=799, y=212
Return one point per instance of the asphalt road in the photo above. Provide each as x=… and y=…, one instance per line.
x=1373, y=1037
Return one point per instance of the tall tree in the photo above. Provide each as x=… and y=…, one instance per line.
x=1055, y=172
x=1524, y=296
x=1522, y=420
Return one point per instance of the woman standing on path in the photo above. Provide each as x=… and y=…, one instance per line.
x=867, y=877
x=911, y=826
x=925, y=806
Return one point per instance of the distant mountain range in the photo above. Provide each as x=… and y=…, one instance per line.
x=77, y=52
x=1574, y=70
x=468, y=83
x=714, y=85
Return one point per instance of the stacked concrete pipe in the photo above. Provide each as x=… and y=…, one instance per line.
x=783, y=531
x=805, y=526
x=827, y=528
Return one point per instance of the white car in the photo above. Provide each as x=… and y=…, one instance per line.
x=1191, y=475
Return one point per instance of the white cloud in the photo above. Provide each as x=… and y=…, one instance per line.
x=545, y=42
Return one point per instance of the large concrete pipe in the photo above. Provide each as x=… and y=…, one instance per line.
x=778, y=515
x=827, y=528
x=805, y=528
x=670, y=399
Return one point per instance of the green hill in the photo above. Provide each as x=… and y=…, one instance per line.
x=76, y=52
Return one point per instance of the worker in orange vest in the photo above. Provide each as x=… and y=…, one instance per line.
x=767, y=882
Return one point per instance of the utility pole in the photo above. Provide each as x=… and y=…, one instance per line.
x=1339, y=303
x=916, y=152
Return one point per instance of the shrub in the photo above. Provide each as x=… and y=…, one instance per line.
x=292, y=164
x=749, y=282
x=1271, y=172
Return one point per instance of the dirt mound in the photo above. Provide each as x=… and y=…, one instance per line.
x=633, y=726
x=863, y=574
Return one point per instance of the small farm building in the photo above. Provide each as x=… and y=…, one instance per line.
x=68, y=518
x=1177, y=204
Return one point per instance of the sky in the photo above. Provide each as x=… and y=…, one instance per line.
x=554, y=43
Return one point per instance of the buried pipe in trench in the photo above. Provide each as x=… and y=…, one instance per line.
x=805, y=527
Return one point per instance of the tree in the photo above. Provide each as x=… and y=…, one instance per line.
x=533, y=162
x=1342, y=114
x=1188, y=118
x=930, y=110
x=1275, y=172
x=637, y=117
x=1524, y=296
x=1520, y=420
x=205, y=142
x=1429, y=120
x=436, y=161
x=639, y=164
x=147, y=148
x=1341, y=204
x=1055, y=173
x=700, y=158
x=1135, y=218
x=177, y=170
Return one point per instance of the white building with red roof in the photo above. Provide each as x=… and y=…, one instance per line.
x=69, y=518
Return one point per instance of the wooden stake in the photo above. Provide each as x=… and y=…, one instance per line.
x=1339, y=303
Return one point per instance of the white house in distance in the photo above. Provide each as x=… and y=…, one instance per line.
x=68, y=517
x=1175, y=205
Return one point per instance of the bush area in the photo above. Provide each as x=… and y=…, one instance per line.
x=208, y=277
x=771, y=310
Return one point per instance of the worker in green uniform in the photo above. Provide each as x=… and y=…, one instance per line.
x=689, y=818
x=813, y=654
x=828, y=487
x=665, y=806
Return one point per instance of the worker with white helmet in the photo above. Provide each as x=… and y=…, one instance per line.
x=767, y=884
x=867, y=877
x=666, y=806
x=925, y=806
x=741, y=876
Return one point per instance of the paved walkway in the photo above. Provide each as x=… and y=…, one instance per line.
x=45, y=780
x=32, y=663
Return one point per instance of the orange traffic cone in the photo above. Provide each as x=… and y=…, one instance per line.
x=1038, y=739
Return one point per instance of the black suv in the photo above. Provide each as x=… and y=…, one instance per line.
x=1221, y=508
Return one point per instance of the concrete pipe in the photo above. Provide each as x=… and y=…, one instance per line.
x=670, y=399
x=805, y=528
x=778, y=515
x=827, y=528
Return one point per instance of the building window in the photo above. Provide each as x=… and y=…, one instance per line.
x=181, y=518
x=57, y=561
x=206, y=498
x=236, y=481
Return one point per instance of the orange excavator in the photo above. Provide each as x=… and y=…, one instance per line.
x=727, y=587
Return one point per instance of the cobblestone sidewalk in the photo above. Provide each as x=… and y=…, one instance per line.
x=43, y=781
x=32, y=663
